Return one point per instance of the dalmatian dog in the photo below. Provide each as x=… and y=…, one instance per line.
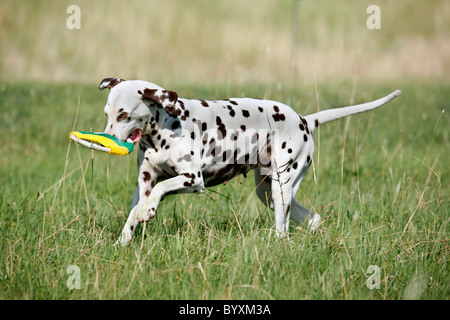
x=188, y=145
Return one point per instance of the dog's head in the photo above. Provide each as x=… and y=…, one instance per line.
x=129, y=106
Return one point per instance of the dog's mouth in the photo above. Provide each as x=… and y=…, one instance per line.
x=135, y=136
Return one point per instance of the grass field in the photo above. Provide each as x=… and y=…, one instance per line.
x=379, y=180
x=379, y=184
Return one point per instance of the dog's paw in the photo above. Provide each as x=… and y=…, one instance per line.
x=123, y=240
x=314, y=223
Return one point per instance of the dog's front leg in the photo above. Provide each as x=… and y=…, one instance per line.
x=146, y=181
x=131, y=224
x=185, y=183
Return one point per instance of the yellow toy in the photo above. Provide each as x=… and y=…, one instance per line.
x=102, y=142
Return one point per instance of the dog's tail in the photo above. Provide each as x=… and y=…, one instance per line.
x=321, y=117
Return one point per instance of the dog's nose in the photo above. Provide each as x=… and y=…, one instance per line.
x=108, y=129
x=110, y=133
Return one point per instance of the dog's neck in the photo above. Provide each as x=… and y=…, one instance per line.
x=158, y=121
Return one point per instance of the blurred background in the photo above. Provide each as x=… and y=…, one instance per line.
x=199, y=42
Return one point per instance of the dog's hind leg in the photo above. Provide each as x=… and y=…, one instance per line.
x=299, y=213
x=275, y=196
x=282, y=198
x=279, y=200
x=303, y=215
x=263, y=186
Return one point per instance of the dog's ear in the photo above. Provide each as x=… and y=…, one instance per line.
x=109, y=83
x=165, y=98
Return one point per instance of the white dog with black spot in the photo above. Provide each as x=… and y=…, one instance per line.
x=186, y=145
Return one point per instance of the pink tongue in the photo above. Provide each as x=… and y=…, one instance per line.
x=136, y=135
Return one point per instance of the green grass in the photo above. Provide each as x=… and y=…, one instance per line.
x=379, y=180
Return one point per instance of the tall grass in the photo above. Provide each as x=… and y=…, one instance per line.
x=382, y=193
x=379, y=180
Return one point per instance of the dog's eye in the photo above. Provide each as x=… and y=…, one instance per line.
x=122, y=116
